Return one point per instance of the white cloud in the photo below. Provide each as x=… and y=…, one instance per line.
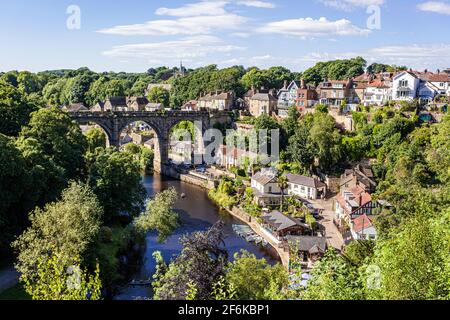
x=183, y=26
x=257, y=4
x=209, y=8
x=309, y=28
x=351, y=4
x=435, y=6
x=431, y=56
x=188, y=49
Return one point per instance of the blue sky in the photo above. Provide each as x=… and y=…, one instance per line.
x=134, y=35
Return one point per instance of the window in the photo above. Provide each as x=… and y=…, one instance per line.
x=403, y=83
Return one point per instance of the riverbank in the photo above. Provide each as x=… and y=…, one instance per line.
x=256, y=227
x=197, y=213
x=235, y=212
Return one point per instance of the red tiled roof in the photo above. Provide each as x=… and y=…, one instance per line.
x=362, y=222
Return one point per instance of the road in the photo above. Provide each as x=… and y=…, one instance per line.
x=8, y=278
x=333, y=235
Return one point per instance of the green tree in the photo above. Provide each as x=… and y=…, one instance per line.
x=14, y=180
x=96, y=138
x=56, y=282
x=58, y=138
x=159, y=215
x=28, y=82
x=115, y=178
x=65, y=228
x=14, y=110
x=159, y=95
x=326, y=141
x=334, y=279
x=252, y=278
x=414, y=260
x=201, y=251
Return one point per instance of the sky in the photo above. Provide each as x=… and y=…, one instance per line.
x=135, y=35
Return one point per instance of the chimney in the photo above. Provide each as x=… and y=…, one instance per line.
x=302, y=83
x=438, y=71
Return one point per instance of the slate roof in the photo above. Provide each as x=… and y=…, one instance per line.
x=305, y=181
x=264, y=178
x=76, y=107
x=264, y=97
x=308, y=243
x=280, y=221
x=117, y=101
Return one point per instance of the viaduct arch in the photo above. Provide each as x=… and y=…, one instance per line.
x=113, y=123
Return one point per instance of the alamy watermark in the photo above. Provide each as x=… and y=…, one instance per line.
x=73, y=22
x=374, y=19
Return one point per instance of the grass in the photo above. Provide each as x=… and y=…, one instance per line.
x=15, y=293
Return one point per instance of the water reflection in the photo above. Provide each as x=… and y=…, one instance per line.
x=197, y=213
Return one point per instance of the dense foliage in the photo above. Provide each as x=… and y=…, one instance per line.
x=159, y=215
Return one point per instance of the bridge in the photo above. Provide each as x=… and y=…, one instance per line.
x=162, y=122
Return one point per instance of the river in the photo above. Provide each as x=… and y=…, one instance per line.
x=197, y=213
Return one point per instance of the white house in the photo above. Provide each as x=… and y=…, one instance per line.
x=377, y=93
x=362, y=228
x=305, y=187
x=432, y=85
x=427, y=91
x=265, y=187
x=287, y=97
x=405, y=86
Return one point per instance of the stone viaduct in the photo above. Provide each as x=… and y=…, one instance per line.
x=162, y=122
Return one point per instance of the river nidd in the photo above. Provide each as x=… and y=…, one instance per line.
x=197, y=213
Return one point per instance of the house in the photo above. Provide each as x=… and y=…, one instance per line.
x=181, y=151
x=287, y=97
x=278, y=226
x=98, y=107
x=232, y=157
x=115, y=104
x=352, y=203
x=310, y=249
x=377, y=92
x=244, y=128
x=336, y=92
x=432, y=85
x=191, y=105
x=247, y=97
x=405, y=86
x=359, y=176
x=362, y=228
x=75, y=107
x=305, y=187
x=137, y=103
x=262, y=103
x=306, y=96
x=265, y=188
x=217, y=101
x=152, y=107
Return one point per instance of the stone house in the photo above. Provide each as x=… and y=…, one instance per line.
x=217, y=101
x=263, y=103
